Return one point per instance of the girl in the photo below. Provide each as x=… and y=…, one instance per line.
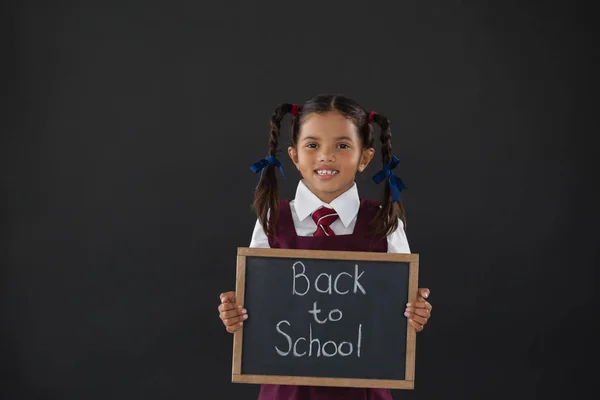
x=332, y=140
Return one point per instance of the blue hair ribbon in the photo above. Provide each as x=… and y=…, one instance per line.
x=396, y=184
x=264, y=163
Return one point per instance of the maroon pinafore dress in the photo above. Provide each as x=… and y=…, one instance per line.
x=359, y=240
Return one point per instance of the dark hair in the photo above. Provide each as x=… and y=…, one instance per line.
x=266, y=196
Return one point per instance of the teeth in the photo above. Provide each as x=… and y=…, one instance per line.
x=326, y=172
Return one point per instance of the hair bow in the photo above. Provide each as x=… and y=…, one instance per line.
x=396, y=184
x=265, y=162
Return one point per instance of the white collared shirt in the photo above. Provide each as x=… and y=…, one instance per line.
x=346, y=205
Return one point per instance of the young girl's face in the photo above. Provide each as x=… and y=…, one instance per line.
x=328, y=153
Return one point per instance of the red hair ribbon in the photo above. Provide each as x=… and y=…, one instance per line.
x=372, y=117
x=295, y=108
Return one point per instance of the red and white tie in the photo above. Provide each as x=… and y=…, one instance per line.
x=324, y=217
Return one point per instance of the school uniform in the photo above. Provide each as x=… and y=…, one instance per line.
x=295, y=230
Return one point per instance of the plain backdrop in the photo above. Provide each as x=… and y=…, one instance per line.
x=128, y=130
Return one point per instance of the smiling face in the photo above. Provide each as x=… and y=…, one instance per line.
x=328, y=153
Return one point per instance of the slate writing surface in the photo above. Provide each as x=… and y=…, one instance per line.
x=356, y=328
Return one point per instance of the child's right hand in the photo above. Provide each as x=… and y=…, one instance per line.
x=232, y=314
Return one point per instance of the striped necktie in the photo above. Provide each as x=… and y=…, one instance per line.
x=324, y=217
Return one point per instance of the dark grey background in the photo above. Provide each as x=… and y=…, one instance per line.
x=127, y=124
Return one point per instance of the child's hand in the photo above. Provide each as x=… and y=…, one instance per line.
x=231, y=313
x=419, y=313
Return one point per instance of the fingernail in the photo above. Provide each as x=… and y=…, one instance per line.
x=408, y=304
x=239, y=306
x=244, y=311
x=406, y=314
x=245, y=316
x=426, y=295
x=241, y=323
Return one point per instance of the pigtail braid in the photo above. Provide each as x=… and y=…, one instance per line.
x=386, y=219
x=266, y=196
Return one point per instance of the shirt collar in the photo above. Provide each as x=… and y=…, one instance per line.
x=346, y=204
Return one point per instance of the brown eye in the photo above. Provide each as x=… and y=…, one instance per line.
x=344, y=146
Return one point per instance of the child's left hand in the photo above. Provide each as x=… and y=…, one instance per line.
x=419, y=313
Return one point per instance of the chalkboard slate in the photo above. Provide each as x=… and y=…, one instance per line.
x=325, y=318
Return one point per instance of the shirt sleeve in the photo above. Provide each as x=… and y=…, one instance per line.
x=397, y=240
x=259, y=237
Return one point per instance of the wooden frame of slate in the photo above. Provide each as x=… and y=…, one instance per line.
x=317, y=296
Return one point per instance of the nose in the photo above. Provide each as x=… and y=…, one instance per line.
x=326, y=154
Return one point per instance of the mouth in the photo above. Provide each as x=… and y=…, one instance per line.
x=326, y=173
